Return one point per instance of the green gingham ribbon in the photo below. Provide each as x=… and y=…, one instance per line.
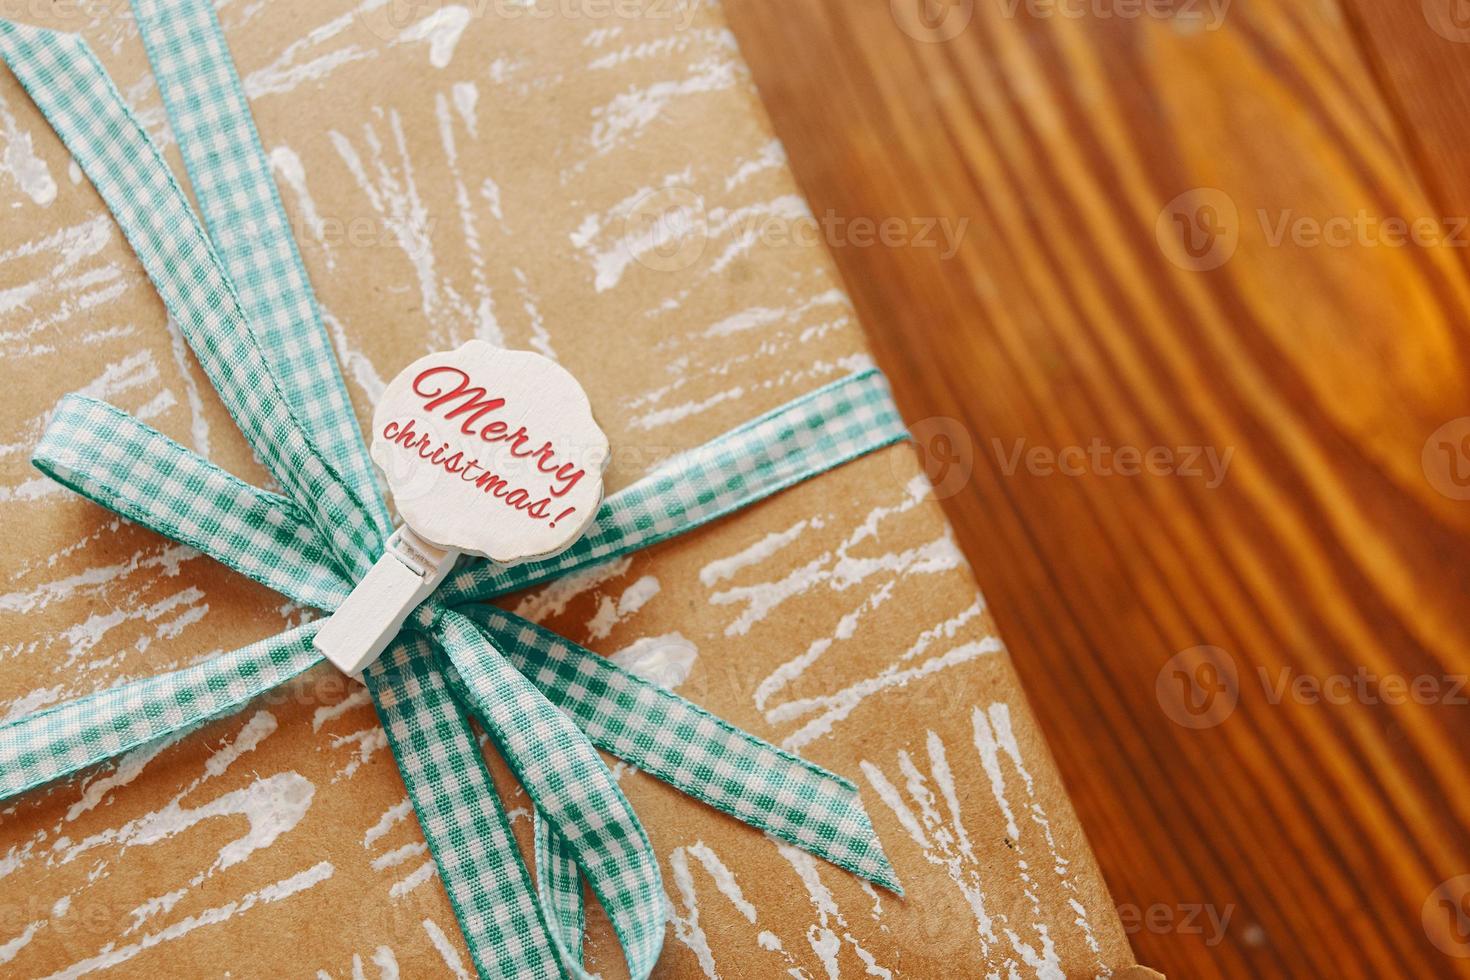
x=242, y=299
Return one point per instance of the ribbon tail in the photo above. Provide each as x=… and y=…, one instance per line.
x=692, y=750
x=571, y=787
x=466, y=826
x=559, y=883
x=65, y=739
x=823, y=429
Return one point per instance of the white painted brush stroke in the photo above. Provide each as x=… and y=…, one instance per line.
x=772, y=156
x=836, y=707
x=28, y=170
x=423, y=873
x=288, y=168
x=166, y=561
x=80, y=280
x=611, y=612
x=442, y=30
x=823, y=935
x=662, y=48
x=391, y=817
x=399, y=855
x=466, y=96
x=487, y=327
x=629, y=113
x=606, y=240
x=722, y=568
x=359, y=698
x=839, y=569
x=359, y=367
x=303, y=60
x=127, y=768
x=446, y=950
x=271, y=805
x=386, y=175
x=827, y=934
x=113, y=956
x=11, y=949
x=665, y=660
x=759, y=316
x=553, y=598
x=364, y=744
x=155, y=906
x=932, y=817
x=386, y=963
x=687, y=926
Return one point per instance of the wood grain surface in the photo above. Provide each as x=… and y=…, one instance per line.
x=1195, y=383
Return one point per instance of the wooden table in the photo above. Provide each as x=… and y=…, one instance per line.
x=1193, y=234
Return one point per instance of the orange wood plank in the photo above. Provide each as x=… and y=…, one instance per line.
x=1183, y=237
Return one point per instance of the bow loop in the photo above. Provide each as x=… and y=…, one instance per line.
x=80, y=101
x=134, y=470
x=227, y=165
x=572, y=789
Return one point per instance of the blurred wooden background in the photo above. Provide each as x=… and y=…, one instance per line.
x=1192, y=231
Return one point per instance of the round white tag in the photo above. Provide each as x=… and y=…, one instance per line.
x=491, y=451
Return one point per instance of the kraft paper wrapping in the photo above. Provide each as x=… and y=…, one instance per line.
x=595, y=181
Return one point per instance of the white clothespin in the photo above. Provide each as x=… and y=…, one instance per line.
x=494, y=453
x=406, y=574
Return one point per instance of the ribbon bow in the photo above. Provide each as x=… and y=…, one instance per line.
x=240, y=295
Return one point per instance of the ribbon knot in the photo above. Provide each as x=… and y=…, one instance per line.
x=245, y=306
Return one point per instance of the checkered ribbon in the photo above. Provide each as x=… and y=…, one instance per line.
x=242, y=300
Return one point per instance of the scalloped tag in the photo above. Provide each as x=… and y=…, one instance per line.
x=491, y=451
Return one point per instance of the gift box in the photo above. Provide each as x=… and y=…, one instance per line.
x=594, y=181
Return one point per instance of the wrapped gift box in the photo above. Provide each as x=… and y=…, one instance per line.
x=595, y=181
